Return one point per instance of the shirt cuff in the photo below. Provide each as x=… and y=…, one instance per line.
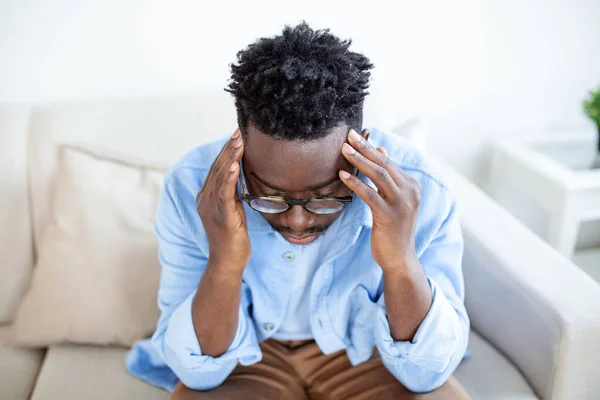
x=182, y=343
x=436, y=341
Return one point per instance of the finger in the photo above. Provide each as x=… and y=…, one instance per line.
x=226, y=180
x=224, y=155
x=364, y=191
x=227, y=147
x=407, y=178
x=372, y=154
x=377, y=173
x=228, y=194
x=224, y=162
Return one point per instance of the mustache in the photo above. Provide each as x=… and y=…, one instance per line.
x=306, y=232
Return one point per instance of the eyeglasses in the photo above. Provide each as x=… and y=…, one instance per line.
x=278, y=205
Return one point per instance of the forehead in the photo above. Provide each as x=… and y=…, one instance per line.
x=295, y=165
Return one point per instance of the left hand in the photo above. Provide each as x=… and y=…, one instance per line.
x=394, y=204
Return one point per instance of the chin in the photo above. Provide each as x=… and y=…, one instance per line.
x=301, y=241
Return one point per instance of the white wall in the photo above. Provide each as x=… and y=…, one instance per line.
x=477, y=70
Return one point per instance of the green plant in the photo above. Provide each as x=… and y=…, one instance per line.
x=591, y=106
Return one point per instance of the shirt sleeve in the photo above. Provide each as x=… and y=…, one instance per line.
x=429, y=359
x=183, y=264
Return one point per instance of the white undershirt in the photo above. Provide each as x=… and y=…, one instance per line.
x=296, y=321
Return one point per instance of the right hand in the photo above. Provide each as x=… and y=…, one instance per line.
x=221, y=210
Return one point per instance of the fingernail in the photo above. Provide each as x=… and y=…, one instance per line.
x=344, y=174
x=238, y=142
x=233, y=167
x=346, y=148
x=236, y=134
x=354, y=136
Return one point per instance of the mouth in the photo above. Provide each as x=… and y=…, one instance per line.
x=302, y=239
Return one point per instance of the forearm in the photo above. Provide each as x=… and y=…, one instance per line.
x=215, y=308
x=433, y=348
x=210, y=331
x=407, y=298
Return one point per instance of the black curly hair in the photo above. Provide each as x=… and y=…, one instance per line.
x=299, y=85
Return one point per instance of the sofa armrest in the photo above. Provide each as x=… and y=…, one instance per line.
x=534, y=305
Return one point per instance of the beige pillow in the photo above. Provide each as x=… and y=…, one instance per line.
x=97, y=274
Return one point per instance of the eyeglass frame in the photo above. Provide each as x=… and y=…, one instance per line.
x=247, y=197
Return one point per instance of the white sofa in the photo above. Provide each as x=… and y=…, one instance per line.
x=535, y=316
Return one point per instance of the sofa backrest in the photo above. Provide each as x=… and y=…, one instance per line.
x=147, y=131
x=154, y=132
x=16, y=256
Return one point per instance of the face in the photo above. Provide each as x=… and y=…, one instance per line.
x=296, y=170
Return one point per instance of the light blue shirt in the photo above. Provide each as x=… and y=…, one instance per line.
x=347, y=305
x=304, y=261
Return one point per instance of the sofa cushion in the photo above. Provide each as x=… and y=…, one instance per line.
x=86, y=372
x=97, y=274
x=487, y=374
x=152, y=131
x=18, y=368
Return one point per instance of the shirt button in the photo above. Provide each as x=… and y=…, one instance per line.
x=268, y=326
x=289, y=256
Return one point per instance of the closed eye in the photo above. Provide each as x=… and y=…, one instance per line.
x=271, y=195
x=327, y=195
x=278, y=194
x=331, y=193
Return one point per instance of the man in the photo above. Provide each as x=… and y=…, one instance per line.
x=297, y=247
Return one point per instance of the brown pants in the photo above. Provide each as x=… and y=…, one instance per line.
x=297, y=369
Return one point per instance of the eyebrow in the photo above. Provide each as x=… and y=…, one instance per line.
x=310, y=189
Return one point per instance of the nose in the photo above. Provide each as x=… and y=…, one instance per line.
x=298, y=219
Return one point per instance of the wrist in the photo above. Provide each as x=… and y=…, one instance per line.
x=402, y=267
x=225, y=269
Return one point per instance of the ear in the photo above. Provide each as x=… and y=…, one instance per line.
x=366, y=133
